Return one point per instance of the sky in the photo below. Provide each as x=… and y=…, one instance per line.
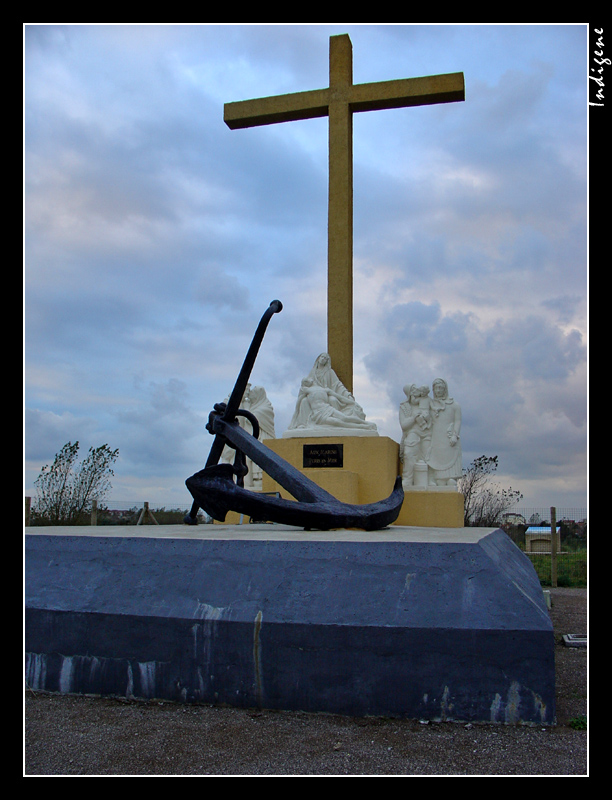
x=155, y=237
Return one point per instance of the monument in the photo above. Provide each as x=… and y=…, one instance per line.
x=357, y=481
x=332, y=610
x=440, y=623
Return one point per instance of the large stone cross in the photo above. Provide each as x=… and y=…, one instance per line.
x=339, y=102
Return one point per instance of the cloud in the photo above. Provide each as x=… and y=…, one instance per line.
x=160, y=428
x=47, y=433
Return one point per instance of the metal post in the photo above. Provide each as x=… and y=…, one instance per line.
x=553, y=546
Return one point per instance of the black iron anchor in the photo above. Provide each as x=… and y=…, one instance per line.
x=231, y=409
x=215, y=490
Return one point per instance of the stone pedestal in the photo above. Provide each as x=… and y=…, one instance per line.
x=440, y=624
x=365, y=473
x=432, y=507
x=354, y=469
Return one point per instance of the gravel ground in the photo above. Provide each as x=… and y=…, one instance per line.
x=67, y=735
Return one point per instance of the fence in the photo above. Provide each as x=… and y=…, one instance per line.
x=559, y=560
x=122, y=512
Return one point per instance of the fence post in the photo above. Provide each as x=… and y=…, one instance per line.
x=94, y=512
x=553, y=546
x=28, y=502
x=146, y=512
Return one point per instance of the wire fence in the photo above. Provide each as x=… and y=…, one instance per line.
x=559, y=560
x=126, y=512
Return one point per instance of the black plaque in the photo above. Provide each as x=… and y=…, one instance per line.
x=323, y=455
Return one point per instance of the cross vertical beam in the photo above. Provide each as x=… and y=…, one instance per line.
x=339, y=102
x=340, y=212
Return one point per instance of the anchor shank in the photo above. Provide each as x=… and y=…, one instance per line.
x=290, y=478
x=233, y=404
x=235, y=398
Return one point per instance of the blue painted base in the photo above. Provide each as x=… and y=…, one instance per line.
x=421, y=629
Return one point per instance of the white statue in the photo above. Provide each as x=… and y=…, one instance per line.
x=256, y=401
x=444, y=459
x=416, y=424
x=430, y=449
x=324, y=402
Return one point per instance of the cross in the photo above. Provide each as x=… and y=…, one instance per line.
x=339, y=102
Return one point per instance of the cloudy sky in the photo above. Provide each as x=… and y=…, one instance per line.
x=155, y=237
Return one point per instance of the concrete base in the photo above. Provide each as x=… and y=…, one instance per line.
x=419, y=623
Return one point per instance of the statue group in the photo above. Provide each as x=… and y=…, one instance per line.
x=430, y=448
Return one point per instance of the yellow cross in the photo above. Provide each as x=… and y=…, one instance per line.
x=339, y=102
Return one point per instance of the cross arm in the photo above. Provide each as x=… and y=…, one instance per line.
x=448, y=88
x=281, y=108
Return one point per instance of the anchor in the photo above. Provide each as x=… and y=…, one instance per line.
x=219, y=488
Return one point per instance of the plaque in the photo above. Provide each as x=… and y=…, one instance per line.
x=323, y=455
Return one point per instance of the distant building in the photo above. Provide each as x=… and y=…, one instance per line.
x=538, y=539
x=513, y=518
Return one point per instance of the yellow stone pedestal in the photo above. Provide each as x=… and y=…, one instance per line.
x=369, y=466
x=432, y=508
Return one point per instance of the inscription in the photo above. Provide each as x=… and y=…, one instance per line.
x=323, y=455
